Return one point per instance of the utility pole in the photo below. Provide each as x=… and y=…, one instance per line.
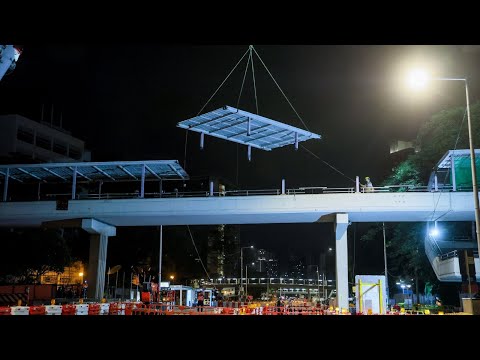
x=385, y=261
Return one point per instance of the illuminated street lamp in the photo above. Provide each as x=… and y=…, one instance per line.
x=418, y=79
x=81, y=276
x=172, y=277
x=246, y=276
x=241, y=264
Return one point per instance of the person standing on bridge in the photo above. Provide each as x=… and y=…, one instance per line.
x=368, y=187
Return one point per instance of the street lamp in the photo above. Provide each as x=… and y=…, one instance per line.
x=246, y=276
x=241, y=265
x=419, y=79
x=81, y=276
x=318, y=281
x=172, y=277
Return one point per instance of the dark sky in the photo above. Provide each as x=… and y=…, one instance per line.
x=124, y=100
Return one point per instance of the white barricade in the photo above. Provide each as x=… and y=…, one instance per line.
x=81, y=309
x=104, y=308
x=20, y=310
x=53, y=310
x=121, y=309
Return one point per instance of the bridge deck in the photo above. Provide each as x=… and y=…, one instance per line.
x=304, y=208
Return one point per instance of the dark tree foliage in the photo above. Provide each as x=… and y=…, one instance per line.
x=28, y=254
x=444, y=131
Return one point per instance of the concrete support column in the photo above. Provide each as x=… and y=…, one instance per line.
x=97, y=261
x=454, y=178
x=5, y=185
x=74, y=183
x=142, y=184
x=341, y=264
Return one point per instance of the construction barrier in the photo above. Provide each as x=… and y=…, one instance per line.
x=129, y=308
x=104, y=309
x=94, y=309
x=20, y=310
x=68, y=309
x=5, y=310
x=114, y=309
x=81, y=309
x=53, y=310
x=36, y=310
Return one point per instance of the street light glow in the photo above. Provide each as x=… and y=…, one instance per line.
x=80, y=274
x=434, y=232
x=417, y=79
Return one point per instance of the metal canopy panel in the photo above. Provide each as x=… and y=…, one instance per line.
x=233, y=124
x=446, y=161
x=90, y=171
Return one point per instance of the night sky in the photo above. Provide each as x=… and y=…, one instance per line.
x=124, y=100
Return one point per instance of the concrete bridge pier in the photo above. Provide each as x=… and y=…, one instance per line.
x=99, y=234
x=341, y=263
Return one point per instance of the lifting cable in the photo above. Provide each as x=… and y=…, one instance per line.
x=250, y=50
x=193, y=242
x=326, y=163
x=444, y=180
x=203, y=107
x=448, y=172
x=238, y=103
x=285, y=96
x=299, y=117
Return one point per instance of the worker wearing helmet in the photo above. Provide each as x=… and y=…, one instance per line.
x=368, y=185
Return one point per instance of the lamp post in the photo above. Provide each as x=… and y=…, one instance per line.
x=318, y=280
x=246, y=278
x=241, y=266
x=385, y=263
x=419, y=79
x=81, y=284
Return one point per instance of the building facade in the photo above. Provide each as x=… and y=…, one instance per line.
x=25, y=141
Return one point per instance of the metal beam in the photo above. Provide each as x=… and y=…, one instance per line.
x=34, y=176
x=103, y=172
x=152, y=172
x=171, y=166
x=142, y=184
x=226, y=127
x=206, y=122
x=452, y=162
x=74, y=183
x=5, y=186
x=54, y=173
x=10, y=176
x=128, y=172
x=272, y=135
x=79, y=173
x=244, y=132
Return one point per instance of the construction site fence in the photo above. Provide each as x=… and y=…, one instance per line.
x=141, y=309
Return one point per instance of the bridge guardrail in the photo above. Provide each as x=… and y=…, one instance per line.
x=254, y=192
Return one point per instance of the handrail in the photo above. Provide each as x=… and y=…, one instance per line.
x=251, y=192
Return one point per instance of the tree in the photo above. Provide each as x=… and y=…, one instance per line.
x=444, y=131
x=28, y=254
